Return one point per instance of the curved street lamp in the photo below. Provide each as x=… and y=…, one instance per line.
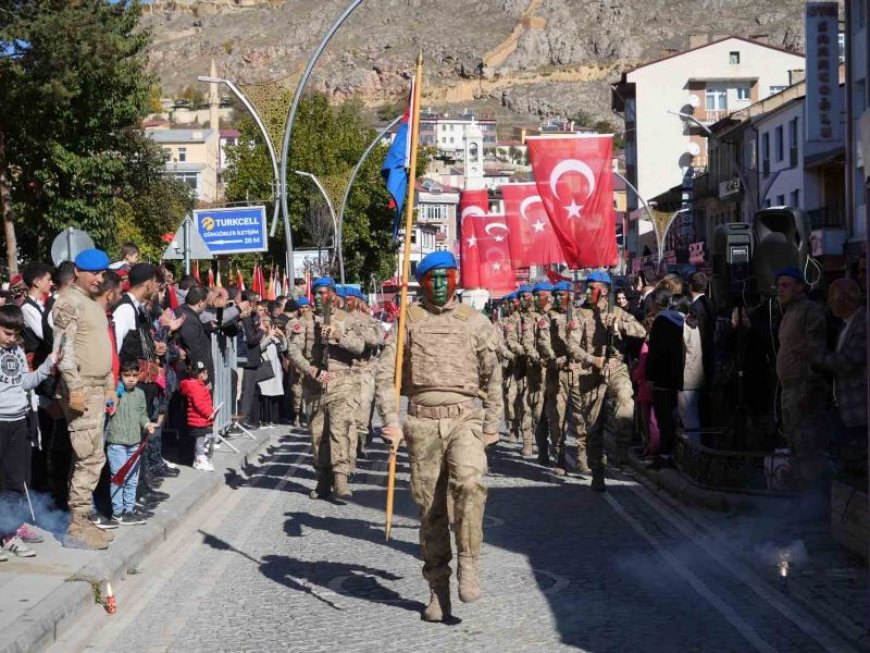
x=335, y=223
x=294, y=106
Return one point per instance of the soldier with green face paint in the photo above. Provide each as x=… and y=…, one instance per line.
x=449, y=362
x=514, y=342
x=533, y=428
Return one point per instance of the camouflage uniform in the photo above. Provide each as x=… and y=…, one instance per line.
x=552, y=346
x=86, y=367
x=587, y=340
x=506, y=358
x=333, y=409
x=517, y=387
x=532, y=427
x=450, y=360
x=373, y=336
x=803, y=338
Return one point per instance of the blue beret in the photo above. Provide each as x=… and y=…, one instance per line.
x=323, y=281
x=564, y=286
x=543, y=286
x=600, y=276
x=524, y=289
x=435, y=261
x=341, y=291
x=794, y=273
x=362, y=296
x=92, y=260
x=303, y=301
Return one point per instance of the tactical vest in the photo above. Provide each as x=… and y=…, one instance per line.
x=441, y=349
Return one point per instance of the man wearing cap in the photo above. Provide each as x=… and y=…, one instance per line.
x=514, y=342
x=80, y=324
x=533, y=427
x=331, y=388
x=596, y=340
x=551, y=342
x=449, y=361
x=802, y=340
x=503, y=324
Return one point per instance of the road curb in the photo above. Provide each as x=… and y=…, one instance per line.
x=672, y=481
x=50, y=618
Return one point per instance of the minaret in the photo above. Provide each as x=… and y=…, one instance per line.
x=473, y=156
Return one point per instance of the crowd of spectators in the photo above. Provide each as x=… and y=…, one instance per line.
x=792, y=368
x=107, y=372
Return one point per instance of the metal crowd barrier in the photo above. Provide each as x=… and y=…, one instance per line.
x=223, y=354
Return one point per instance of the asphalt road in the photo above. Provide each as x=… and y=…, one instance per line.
x=263, y=568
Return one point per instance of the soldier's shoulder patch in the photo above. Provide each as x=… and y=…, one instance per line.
x=297, y=328
x=509, y=326
x=525, y=327
x=572, y=324
x=543, y=322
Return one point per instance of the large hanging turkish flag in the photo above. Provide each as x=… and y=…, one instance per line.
x=495, y=269
x=531, y=236
x=471, y=203
x=575, y=181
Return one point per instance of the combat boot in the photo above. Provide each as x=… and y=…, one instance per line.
x=340, y=486
x=582, y=460
x=323, y=489
x=81, y=534
x=528, y=447
x=561, y=467
x=439, y=603
x=598, y=480
x=468, y=572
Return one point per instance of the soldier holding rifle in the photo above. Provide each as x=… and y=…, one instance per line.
x=449, y=361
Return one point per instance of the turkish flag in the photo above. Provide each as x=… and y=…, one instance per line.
x=574, y=176
x=495, y=268
x=471, y=203
x=532, y=239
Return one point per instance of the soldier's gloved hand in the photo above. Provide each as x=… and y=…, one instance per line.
x=392, y=434
x=598, y=362
x=78, y=401
x=490, y=439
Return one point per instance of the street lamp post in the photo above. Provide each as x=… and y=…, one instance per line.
x=738, y=169
x=335, y=224
x=291, y=115
x=273, y=157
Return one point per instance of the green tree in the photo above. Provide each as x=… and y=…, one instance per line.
x=327, y=142
x=74, y=90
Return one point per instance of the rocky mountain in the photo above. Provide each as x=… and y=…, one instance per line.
x=516, y=58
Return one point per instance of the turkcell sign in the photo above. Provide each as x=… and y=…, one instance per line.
x=236, y=230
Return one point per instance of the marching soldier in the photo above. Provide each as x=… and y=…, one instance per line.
x=506, y=356
x=298, y=379
x=534, y=429
x=373, y=337
x=551, y=342
x=331, y=388
x=449, y=361
x=513, y=340
x=596, y=339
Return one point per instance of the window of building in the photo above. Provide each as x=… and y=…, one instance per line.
x=188, y=178
x=796, y=198
x=734, y=57
x=767, y=204
x=793, y=142
x=780, y=200
x=451, y=140
x=841, y=46
x=716, y=98
x=778, y=144
x=765, y=154
x=744, y=93
x=776, y=89
x=182, y=154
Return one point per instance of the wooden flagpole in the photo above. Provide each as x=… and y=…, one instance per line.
x=406, y=269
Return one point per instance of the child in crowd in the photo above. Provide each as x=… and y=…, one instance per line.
x=200, y=412
x=15, y=383
x=125, y=435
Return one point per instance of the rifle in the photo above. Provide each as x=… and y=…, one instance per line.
x=327, y=321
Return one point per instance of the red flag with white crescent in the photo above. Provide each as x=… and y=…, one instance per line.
x=531, y=236
x=493, y=253
x=471, y=203
x=575, y=181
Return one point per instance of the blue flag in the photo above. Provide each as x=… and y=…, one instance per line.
x=395, y=172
